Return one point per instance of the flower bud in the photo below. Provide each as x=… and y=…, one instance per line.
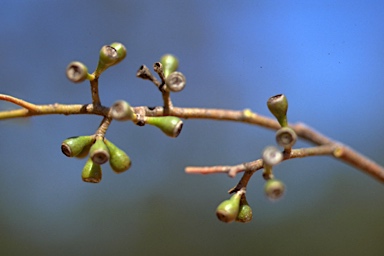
x=170, y=64
x=272, y=156
x=286, y=137
x=121, y=51
x=110, y=55
x=228, y=210
x=77, y=72
x=274, y=189
x=170, y=125
x=175, y=81
x=245, y=213
x=121, y=111
x=91, y=172
x=74, y=146
x=278, y=105
x=84, y=152
x=118, y=160
x=99, y=152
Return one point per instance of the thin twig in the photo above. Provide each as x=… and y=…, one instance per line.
x=19, y=102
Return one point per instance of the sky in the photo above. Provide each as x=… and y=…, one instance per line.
x=327, y=57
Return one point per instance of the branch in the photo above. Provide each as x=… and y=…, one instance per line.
x=30, y=109
x=327, y=146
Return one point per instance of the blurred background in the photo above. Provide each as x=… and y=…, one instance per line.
x=326, y=56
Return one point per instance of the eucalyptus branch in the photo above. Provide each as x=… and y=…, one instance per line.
x=168, y=119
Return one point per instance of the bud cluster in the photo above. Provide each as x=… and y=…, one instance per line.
x=100, y=151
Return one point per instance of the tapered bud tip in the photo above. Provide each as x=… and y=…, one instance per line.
x=170, y=125
x=119, y=160
x=91, y=172
x=278, y=105
x=286, y=137
x=76, y=72
x=122, y=111
x=175, y=81
x=99, y=152
x=274, y=189
x=74, y=146
x=272, y=156
x=245, y=214
x=170, y=64
x=228, y=210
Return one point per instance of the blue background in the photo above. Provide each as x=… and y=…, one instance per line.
x=326, y=56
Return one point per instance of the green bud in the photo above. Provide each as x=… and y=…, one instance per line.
x=121, y=51
x=84, y=152
x=245, y=212
x=170, y=64
x=99, y=152
x=121, y=111
x=110, y=55
x=119, y=160
x=74, y=146
x=91, y=172
x=77, y=72
x=278, y=105
x=170, y=125
x=175, y=81
x=228, y=210
x=286, y=137
x=274, y=189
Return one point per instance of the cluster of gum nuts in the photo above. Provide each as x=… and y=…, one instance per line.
x=236, y=208
x=97, y=147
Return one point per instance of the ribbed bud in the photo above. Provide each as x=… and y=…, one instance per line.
x=170, y=64
x=110, y=55
x=91, y=172
x=118, y=160
x=77, y=72
x=99, y=152
x=121, y=111
x=278, y=105
x=272, y=156
x=175, y=81
x=170, y=125
x=228, y=210
x=286, y=137
x=274, y=189
x=75, y=145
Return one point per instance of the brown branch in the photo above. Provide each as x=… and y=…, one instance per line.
x=326, y=146
x=256, y=165
x=30, y=109
x=19, y=102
